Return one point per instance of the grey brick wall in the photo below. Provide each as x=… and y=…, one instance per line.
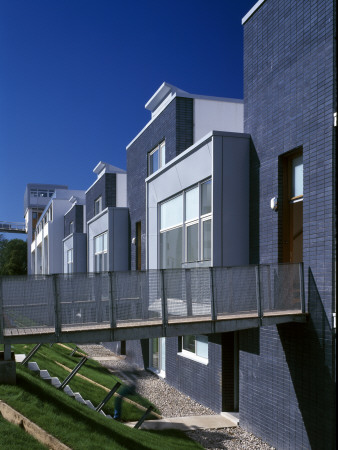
x=202, y=382
x=174, y=125
x=74, y=215
x=105, y=187
x=286, y=387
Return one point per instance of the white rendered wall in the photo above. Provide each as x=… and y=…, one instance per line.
x=217, y=115
x=121, y=189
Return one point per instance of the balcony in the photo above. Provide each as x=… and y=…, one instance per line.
x=114, y=306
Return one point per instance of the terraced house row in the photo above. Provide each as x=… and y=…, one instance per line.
x=218, y=182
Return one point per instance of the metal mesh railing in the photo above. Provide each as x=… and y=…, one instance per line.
x=27, y=302
x=59, y=302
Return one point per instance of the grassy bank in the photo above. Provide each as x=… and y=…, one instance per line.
x=50, y=358
x=76, y=425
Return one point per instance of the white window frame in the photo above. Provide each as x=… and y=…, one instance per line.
x=160, y=148
x=194, y=355
x=98, y=205
x=103, y=252
x=70, y=261
x=199, y=219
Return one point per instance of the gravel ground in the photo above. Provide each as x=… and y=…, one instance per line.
x=171, y=403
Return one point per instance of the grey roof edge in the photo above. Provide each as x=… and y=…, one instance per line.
x=252, y=11
x=180, y=93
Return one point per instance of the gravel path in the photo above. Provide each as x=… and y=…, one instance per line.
x=172, y=403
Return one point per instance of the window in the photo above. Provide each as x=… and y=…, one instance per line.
x=195, y=347
x=156, y=158
x=98, y=205
x=70, y=261
x=171, y=233
x=185, y=228
x=291, y=238
x=100, y=253
x=71, y=227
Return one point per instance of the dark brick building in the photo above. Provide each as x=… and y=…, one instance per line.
x=287, y=373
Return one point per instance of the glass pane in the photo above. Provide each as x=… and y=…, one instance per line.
x=98, y=244
x=202, y=346
x=192, y=242
x=172, y=212
x=105, y=237
x=171, y=249
x=105, y=262
x=297, y=176
x=206, y=240
x=155, y=353
x=153, y=162
x=162, y=155
x=206, y=197
x=162, y=353
x=188, y=343
x=191, y=204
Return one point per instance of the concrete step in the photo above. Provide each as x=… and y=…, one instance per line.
x=78, y=397
x=89, y=404
x=32, y=365
x=67, y=390
x=44, y=374
x=55, y=382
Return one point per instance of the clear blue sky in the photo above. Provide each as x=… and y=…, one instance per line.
x=75, y=76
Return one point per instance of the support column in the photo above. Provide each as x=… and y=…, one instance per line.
x=7, y=366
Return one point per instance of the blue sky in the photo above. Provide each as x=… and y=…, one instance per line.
x=75, y=76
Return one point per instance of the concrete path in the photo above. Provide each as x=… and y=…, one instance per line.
x=186, y=423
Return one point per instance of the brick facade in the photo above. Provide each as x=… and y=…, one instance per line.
x=105, y=186
x=287, y=381
x=174, y=125
x=74, y=215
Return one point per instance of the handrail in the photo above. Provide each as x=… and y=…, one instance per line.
x=66, y=302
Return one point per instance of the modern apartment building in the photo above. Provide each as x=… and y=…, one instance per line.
x=46, y=255
x=36, y=197
x=287, y=372
x=107, y=220
x=259, y=194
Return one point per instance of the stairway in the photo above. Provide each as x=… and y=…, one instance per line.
x=54, y=381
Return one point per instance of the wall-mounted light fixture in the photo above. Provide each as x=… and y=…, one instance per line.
x=274, y=203
x=133, y=241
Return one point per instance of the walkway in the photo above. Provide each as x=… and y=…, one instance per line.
x=115, y=306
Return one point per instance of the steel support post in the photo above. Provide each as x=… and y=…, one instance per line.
x=164, y=305
x=30, y=354
x=113, y=302
x=73, y=373
x=301, y=287
x=143, y=418
x=108, y=397
x=188, y=292
x=258, y=295
x=57, y=318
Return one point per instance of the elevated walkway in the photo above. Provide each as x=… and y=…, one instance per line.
x=12, y=227
x=115, y=306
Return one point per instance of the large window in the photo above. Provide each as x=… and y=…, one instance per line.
x=156, y=158
x=70, y=262
x=185, y=229
x=100, y=253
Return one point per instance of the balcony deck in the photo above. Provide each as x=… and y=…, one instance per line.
x=138, y=305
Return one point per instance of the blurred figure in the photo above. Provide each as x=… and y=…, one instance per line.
x=130, y=378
